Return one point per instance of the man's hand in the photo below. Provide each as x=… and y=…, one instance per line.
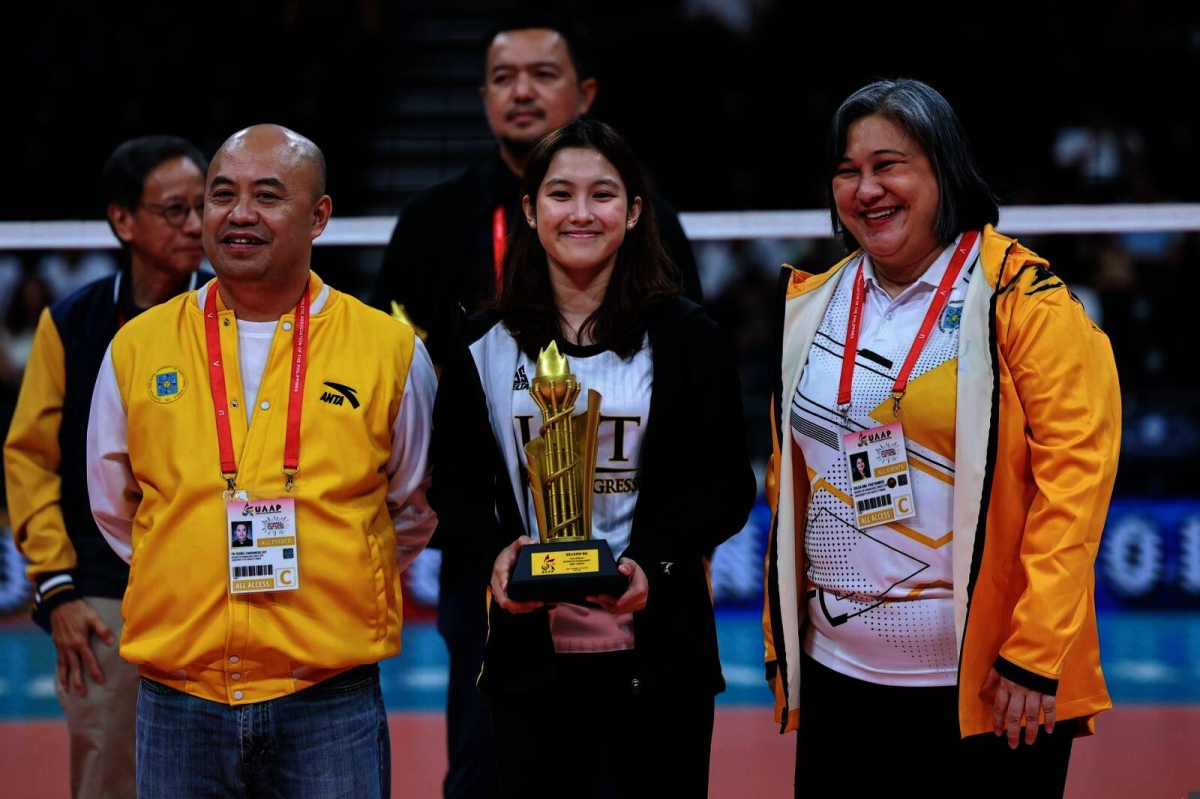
x=1014, y=701
x=71, y=627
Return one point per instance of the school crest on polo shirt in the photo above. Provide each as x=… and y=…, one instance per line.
x=168, y=384
x=951, y=317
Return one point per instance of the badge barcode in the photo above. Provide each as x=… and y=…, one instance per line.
x=871, y=503
x=261, y=570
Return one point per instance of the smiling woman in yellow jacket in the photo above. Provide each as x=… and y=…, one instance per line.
x=975, y=617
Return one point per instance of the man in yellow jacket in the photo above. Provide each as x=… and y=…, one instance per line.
x=255, y=399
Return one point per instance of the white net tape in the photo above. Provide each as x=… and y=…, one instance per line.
x=375, y=231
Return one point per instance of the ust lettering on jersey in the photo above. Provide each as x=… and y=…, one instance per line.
x=615, y=473
x=625, y=386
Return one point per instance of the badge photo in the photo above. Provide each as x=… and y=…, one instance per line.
x=242, y=534
x=860, y=466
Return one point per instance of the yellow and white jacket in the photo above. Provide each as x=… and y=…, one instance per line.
x=1038, y=428
x=361, y=514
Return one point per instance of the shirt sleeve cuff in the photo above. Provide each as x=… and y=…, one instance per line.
x=1025, y=678
x=54, y=589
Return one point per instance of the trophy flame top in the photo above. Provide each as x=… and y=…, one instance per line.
x=552, y=363
x=554, y=388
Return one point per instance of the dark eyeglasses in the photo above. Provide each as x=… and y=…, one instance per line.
x=176, y=214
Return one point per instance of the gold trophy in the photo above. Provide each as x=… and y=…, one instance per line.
x=566, y=565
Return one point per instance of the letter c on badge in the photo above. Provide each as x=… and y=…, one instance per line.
x=285, y=577
x=902, y=504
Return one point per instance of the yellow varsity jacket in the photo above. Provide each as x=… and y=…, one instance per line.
x=182, y=626
x=1038, y=428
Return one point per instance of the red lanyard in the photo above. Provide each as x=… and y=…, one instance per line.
x=216, y=371
x=499, y=233
x=936, y=305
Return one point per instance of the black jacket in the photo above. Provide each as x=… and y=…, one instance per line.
x=86, y=322
x=696, y=489
x=441, y=252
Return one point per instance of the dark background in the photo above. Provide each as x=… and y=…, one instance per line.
x=727, y=116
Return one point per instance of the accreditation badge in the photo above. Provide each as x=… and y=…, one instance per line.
x=879, y=475
x=261, y=536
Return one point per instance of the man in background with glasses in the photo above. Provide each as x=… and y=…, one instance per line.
x=154, y=194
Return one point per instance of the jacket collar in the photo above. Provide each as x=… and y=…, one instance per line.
x=1002, y=258
x=320, y=296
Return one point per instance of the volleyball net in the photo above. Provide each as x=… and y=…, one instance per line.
x=371, y=231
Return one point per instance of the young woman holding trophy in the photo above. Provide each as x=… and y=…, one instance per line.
x=592, y=409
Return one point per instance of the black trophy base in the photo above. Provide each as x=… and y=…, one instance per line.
x=565, y=572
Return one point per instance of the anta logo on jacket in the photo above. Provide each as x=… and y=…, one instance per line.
x=340, y=395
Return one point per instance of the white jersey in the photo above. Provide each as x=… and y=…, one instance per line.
x=880, y=606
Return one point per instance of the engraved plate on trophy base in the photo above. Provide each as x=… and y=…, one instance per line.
x=565, y=571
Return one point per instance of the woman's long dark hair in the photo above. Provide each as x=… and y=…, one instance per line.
x=642, y=278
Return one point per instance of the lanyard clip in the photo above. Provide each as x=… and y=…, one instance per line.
x=896, y=397
x=844, y=410
x=290, y=483
x=231, y=481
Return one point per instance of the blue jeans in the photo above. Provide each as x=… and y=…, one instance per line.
x=325, y=742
